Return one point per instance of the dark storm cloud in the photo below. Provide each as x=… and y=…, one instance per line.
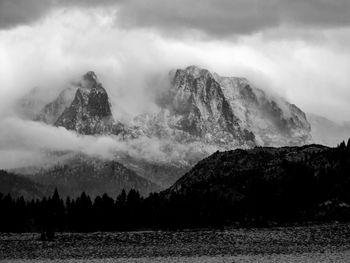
x=19, y=12
x=230, y=17
x=16, y=12
x=214, y=17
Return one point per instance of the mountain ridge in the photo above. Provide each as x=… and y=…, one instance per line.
x=201, y=111
x=228, y=112
x=90, y=111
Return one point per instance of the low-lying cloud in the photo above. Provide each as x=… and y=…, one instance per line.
x=26, y=143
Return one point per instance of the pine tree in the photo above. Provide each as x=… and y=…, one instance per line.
x=121, y=199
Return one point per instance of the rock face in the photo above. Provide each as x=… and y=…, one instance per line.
x=200, y=106
x=272, y=120
x=90, y=111
x=227, y=112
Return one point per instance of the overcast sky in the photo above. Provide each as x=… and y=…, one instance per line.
x=298, y=48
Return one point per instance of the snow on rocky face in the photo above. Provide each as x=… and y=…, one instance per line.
x=200, y=112
x=226, y=112
x=90, y=111
x=200, y=107
x=272, y=120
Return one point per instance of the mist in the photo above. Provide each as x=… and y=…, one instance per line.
x=29, y=143
x=51, y=53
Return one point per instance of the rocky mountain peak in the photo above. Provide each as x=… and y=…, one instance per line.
x=90, y=79
x=190, y=73
x=196, y=71
x=90, y=111
x=227, y=112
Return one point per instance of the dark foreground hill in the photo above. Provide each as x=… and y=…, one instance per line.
x=280, y=184
x=256, y=187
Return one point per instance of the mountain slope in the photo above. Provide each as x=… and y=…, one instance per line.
x=93, y=175
x=272, y=120
x=285, y=183
x=162, y=174
x=90, y=111
x=17, y=186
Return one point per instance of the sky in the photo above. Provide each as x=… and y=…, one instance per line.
x=298, y=49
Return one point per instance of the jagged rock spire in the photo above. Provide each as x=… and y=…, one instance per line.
x=90, y=112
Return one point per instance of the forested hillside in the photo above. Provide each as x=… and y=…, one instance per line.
x=257, y=187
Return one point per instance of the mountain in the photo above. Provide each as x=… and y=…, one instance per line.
x=90, y=111
x=327, y=132
x=285, y=183
x=201, y=112
x=227, y=112
x=17, y=186
x=92, y=175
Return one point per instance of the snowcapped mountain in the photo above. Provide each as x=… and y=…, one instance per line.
x=227, y=112
x=272, y=120
x=90, y=110
x=200, y=106
x=199, y=113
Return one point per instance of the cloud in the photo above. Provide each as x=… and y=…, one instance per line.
x=67, y=44
x=16, y=12
x=26, y=143
x=23, y=12
x=218, y=18
x=310, y=72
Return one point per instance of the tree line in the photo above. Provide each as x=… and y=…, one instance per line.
x=295, y=196
x=127, y=212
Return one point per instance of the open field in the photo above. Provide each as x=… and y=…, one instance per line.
x=316, y=243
